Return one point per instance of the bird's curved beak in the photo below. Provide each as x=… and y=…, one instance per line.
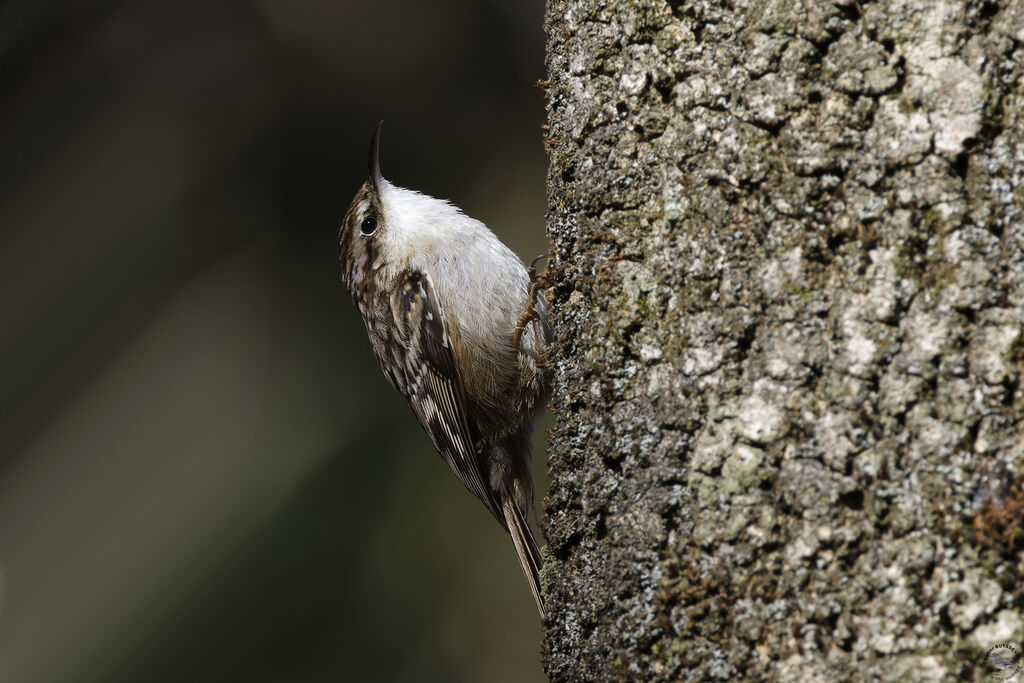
x=375, y=177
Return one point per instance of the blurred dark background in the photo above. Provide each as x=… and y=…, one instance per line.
x=203, y=474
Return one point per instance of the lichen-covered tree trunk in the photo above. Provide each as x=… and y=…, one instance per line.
x=788, y=288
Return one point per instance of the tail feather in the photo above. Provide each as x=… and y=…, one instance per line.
x=526, y=547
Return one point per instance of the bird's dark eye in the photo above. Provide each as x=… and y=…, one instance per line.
x=369, y=225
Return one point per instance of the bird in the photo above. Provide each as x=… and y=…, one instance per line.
x=459, y=326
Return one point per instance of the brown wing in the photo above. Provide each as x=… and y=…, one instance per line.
x=434, y=389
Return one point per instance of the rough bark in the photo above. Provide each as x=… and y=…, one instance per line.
x=788, y=288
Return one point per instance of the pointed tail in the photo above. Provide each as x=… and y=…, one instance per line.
x=526, y=547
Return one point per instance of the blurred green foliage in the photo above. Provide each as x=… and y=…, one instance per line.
x=203, y=474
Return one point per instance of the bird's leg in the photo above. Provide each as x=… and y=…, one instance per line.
x=529, y=311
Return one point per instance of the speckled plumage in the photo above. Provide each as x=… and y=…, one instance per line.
x=441, y=298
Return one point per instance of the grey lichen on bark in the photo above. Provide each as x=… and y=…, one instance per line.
x=788, y=288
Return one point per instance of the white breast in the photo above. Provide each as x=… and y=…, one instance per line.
x=482, y=281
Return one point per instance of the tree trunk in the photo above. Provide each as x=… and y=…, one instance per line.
x=788, y=289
